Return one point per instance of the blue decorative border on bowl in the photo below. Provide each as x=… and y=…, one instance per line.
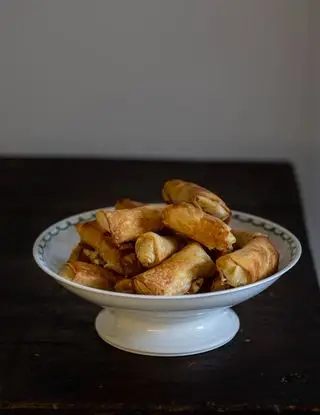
x=65, y=225
x=60, y=228
x=271, y=229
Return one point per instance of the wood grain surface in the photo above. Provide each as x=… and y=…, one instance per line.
x=51, y=359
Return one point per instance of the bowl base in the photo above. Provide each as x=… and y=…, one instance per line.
x=167, y=334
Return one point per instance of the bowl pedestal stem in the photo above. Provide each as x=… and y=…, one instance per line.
x=170, y=333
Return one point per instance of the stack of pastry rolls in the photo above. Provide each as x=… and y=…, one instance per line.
x=182, y=247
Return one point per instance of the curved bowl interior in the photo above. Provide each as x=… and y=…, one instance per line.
x=53, y=246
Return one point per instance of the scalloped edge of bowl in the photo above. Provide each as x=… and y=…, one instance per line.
x=87, y=215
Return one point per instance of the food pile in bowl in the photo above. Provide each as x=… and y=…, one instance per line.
x=184, y=246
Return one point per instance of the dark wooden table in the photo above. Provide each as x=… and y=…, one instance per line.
x=52, y=361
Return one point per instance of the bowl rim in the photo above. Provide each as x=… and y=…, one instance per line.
x=236, y=214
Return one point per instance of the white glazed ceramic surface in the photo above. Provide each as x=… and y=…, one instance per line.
x=164, y=326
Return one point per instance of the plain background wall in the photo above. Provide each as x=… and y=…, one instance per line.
x=154, y=77
x=171, y=78
x=312, y=182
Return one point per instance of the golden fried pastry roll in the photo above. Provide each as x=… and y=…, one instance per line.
x=127, y=204
x=180, y=191
x=90, y=275
x=77, y=254
x=128, y=224
x=243, y=237
x=151, y=248
x=93, y=276
x=67, y=271
x=174, y=276
x=93, y=236
x=191, y=221
x=125, y=285
x=256, y=260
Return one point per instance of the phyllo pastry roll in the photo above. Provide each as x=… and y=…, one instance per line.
x=125, y=285
x=180, y=191
x=91, y=234
x=243, y=237
x=89, y=275
x=128, y=224
x=256, y=260
x=127, y=204
x=152, y=249
x=67, y=270
x=174, y=276
x=192, y=222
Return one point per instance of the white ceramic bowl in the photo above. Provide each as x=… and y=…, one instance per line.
x=159, y=325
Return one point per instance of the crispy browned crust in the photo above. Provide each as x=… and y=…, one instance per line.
x=128, y=224
x=192, y=222
x=121, y=259
x=67, y=271
x=94, y=236
x=175, y=275
x=89, y=275
x=176, y=191
x=77, y=254
x=256, y=260
x=152, y=249
x=125, y=285
x=184, y=246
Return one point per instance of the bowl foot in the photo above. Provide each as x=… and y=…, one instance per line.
x=167, y=333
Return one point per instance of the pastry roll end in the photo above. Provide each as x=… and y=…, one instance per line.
x=244, y=237
x=152, y=249
x=91, y=234
x=258, y=259
x=176, y=191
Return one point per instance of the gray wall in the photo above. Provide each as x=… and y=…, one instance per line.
x=170, y=78
x=311, y=174
x=152, y=77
